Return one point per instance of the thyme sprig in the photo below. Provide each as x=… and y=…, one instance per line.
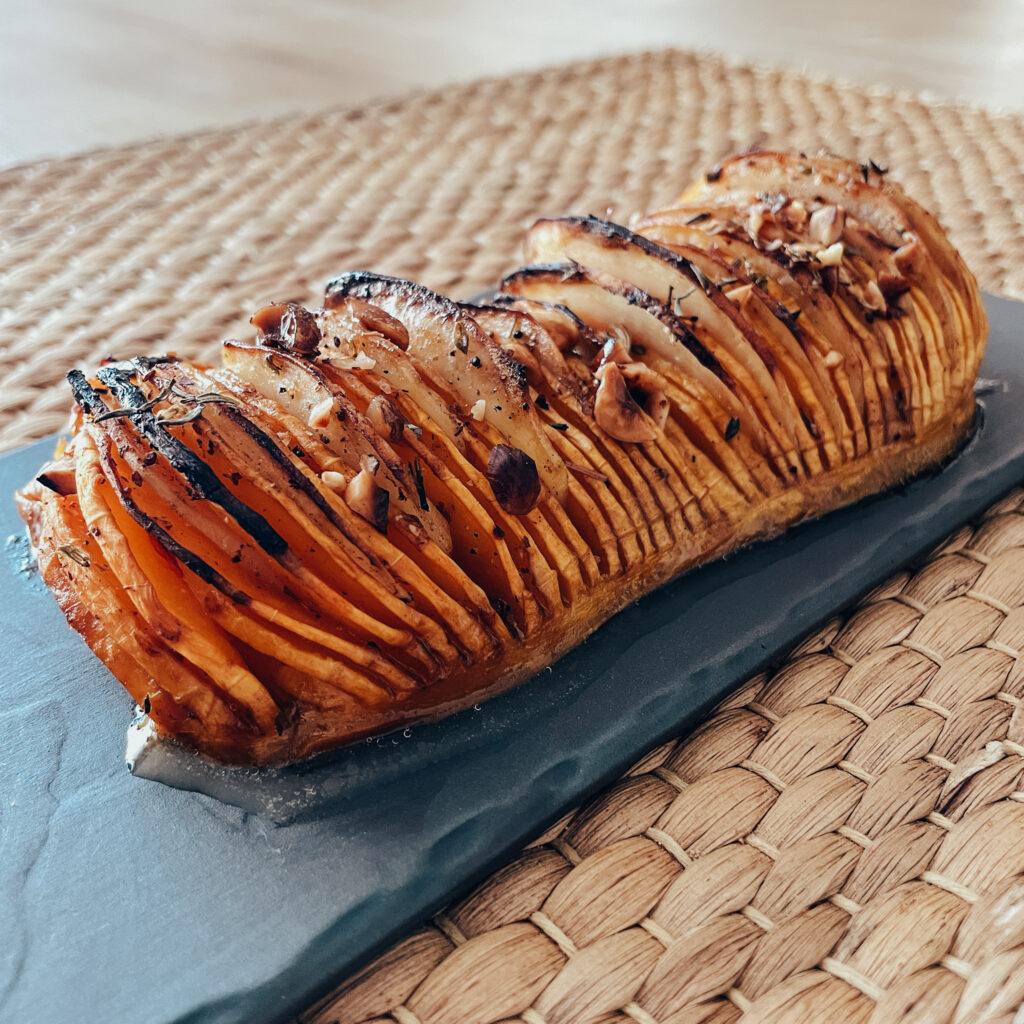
x=198, y=401
x=184, y=399
x=135, y=410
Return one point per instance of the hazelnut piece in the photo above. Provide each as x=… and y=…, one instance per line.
x=652, y=399
x=368, y=499
x=289, y=326
x=386, y=419
x=616, y=411
x=827, y=225
x=373, y=318
x=514, y=479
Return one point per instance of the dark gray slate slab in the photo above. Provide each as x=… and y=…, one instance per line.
x=124, y=900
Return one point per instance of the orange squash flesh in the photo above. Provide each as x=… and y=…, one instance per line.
x=392, y=507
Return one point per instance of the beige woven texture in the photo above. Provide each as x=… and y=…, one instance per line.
x=842, y=841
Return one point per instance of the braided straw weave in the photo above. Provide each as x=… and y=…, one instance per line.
x=842, y=841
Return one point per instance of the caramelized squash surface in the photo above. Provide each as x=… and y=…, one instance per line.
x=393, y=506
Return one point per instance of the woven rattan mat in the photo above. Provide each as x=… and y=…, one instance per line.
x=842, y=841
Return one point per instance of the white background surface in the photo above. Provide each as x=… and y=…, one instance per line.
x=75, y=74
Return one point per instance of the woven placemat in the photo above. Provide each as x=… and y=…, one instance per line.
x=170, y=245
x=840, y=842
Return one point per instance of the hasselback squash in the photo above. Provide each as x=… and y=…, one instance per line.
x=392, y=506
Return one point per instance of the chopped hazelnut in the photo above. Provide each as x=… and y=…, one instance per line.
x=908, y=257
x=289, y=326
x=368, y=500
x=794, y=216
x=641, y=379
x=827, y=225
x=874, y=298
x=892, y=285
x=320, y=414
x=375, y=319
x=615, y=410
x=335, y=481
x=869, y=296
x=514, y=479
x=832, y=256
x=613, y=351
x=756, y=221
x=386, y=419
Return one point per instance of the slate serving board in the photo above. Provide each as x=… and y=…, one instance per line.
x=126, y=901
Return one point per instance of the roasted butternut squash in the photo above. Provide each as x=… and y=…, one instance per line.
x=395, y=505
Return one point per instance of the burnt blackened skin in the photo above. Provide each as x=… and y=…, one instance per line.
x=663, y=312
x=421, y=491
x=362, y=284
x=147, y=363
x=812, y=427
x=563, y=272
x=615, y=235
x=87, y=397
x=358, y=284
x=187, y=558
x=196, y=473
